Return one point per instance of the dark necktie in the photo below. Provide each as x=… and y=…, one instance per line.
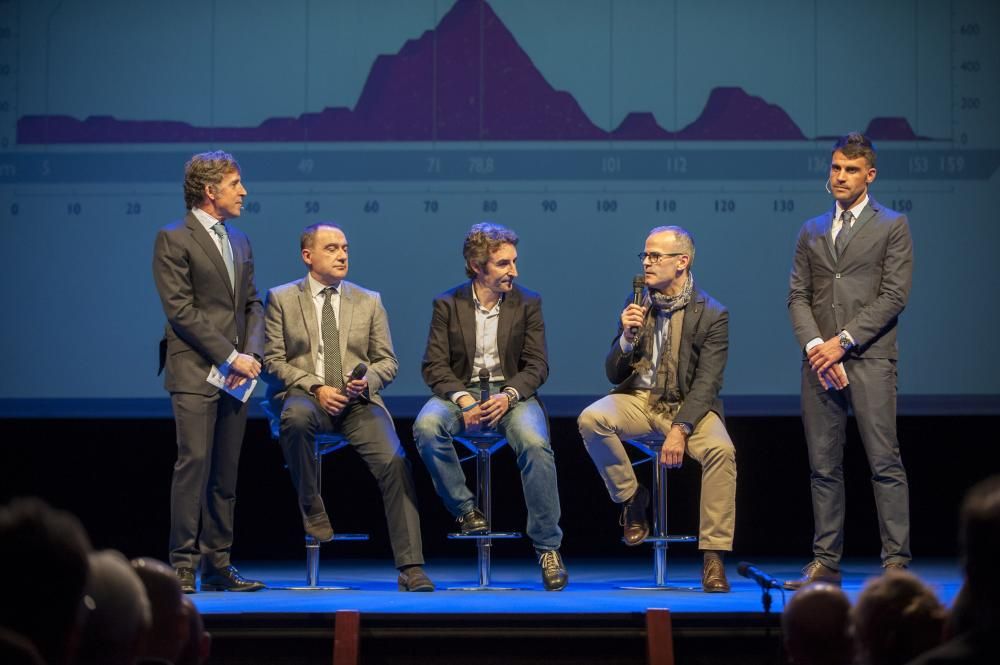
x=845, y=230
x=227, y=251
x=333, y=368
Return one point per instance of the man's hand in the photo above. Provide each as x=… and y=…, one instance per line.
x=494, y=409
x=246, y=366
x=835, y=377
x=234, y=380
x=672, y=452
x=824, y=356
x=331, y=400
x=470, y=418
x=632, y=317
x=356, y=387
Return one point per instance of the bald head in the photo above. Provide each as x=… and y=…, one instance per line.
x=169, y=631
x=199, y=643
x=816, y=625
x=119, y=611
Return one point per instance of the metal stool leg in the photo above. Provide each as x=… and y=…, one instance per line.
x=484, y=449
x=659, y=536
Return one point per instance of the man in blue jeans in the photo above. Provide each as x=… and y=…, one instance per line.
x=489, y=323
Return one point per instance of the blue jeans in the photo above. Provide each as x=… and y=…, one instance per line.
x=527, y=432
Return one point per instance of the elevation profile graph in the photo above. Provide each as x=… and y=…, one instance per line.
x=467, y=79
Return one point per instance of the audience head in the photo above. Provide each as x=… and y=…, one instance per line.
x=119, y=616
x=15, y=649
x=979, y=542
x=44, y=556
x=169, y=630
x=816, y=626
x=199, y=642
x=896, y=618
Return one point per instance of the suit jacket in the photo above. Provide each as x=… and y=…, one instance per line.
x=701, y=360
x=451, y=343
x=293, y=336
x=206, y=319
x=863, y=291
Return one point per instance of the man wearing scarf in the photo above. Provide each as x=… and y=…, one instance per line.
x=666, y=364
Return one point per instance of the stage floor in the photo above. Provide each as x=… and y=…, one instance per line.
x=593, y=589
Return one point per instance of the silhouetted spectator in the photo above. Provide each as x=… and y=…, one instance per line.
x=120, y=616
x=896, y=618
x=16, y=649
x=979, y=600
x=816, y=626
x=169, y=631
x=199, y=642
x=44, y=562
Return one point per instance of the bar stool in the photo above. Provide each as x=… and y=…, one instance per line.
x=649, y=445
x=324, y=444
x=482, y=445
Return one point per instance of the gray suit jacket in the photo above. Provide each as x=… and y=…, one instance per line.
x=862, y=291
x=451, y=343
x=701, y=360
x=206, y=320
x=293, y=336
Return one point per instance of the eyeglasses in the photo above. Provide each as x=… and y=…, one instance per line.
x=656, y=257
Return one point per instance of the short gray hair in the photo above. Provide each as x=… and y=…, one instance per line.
x=682, y=236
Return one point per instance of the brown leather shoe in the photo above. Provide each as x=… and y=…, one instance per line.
x=634, y=518
x=814, y=572
x=555, y=577
x=473, y=522
x=713, y=574
x=318, y=526
x=413, y=578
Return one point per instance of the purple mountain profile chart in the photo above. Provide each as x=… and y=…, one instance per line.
x=468, y=79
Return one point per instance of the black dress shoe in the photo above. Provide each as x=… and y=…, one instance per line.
x=413, y=578
x=814, y=572
x=228, y=579
x=554, y=574
x=186, y=577
x=473, y=522
x=318, y=526
x=634, y=517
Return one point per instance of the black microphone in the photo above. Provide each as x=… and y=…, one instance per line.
x=754, y=573
x=358, y=372
x=484, y=385
x=638, y=284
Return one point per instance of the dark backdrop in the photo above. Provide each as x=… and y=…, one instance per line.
x=115, y=475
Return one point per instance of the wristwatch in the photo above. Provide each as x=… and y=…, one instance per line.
x=511, y=396
x=684, y=427
x=845, y=341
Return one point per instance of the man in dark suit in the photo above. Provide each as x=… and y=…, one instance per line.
x=666, y=363
x=489, y=323
x=317, y=330
x=850, y=280
x=203, y=270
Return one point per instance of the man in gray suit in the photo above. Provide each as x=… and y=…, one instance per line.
x=203, y=270
x=850, y=280
x=317, y=330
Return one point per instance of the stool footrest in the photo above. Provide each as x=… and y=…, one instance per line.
x=484, y=536
x=670, y=539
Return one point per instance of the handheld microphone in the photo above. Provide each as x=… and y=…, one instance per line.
x=754, y=573
x=484, y=385
x=358, y=372
x=638, y=284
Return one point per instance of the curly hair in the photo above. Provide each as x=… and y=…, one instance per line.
x=482, y=240
x=203, y=169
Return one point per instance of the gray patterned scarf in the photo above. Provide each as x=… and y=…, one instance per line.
x=659, y=303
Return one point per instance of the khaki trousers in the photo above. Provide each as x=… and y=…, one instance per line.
x=619, y=416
